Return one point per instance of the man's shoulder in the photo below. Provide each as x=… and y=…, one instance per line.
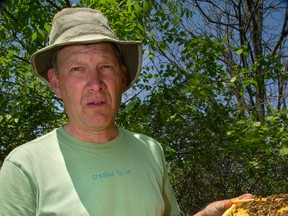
x=140, y=139
x=147, y=140
x=34, y=148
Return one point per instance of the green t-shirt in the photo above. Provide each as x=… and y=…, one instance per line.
x=57, y=174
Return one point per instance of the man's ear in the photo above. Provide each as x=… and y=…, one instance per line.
x=54, y=82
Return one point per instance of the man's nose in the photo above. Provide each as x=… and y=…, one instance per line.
x=95, y=81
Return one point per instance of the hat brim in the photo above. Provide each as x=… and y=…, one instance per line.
x=131, y=52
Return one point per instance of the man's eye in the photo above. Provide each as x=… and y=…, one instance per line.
x=76, y=69
x=107, y=67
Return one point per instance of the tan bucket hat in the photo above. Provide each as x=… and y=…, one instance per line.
x=83, y=26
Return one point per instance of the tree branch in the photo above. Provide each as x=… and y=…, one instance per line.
x=284, y=33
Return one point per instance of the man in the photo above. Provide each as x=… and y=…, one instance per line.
x=90, y=166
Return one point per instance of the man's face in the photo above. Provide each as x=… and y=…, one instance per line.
x=90, y=82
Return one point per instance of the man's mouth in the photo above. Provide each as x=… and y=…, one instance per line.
x=96, y=104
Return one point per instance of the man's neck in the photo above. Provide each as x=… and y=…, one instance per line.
x=95, y=136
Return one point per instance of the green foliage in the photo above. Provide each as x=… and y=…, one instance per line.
x=215, y=146
x=123, y=16
x=28, y=108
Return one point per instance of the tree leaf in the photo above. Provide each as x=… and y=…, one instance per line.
x=283, y=151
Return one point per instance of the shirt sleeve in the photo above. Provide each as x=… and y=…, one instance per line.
x=171, y=205
x=17, y=193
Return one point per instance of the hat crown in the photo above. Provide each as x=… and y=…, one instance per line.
x=79, y=22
